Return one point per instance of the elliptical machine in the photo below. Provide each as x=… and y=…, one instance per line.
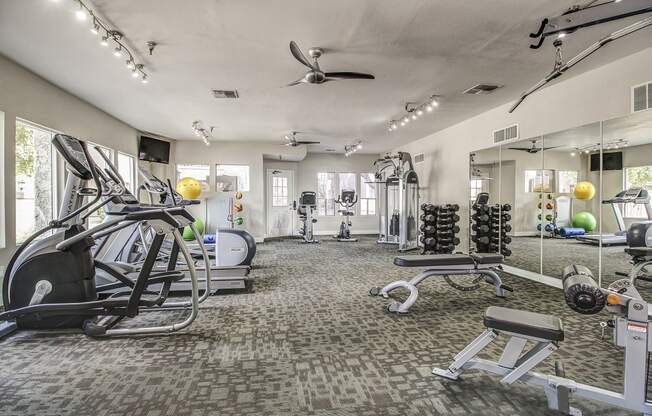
x=347, y=201
x=50, y=283
x=305, y=209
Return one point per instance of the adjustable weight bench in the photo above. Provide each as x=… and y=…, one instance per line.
x=481, y=264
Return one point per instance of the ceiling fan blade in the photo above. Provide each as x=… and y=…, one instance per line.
x=527, y=149
x=548, y=148
x=299, y=56
x=297, y=82
x=349, y=75
x=307, y=142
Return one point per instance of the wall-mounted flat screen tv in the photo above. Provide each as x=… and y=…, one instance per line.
x=153, y=150
x=610, y=161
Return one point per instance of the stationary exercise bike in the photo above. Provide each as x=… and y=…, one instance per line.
x=305, y=209
x=347, y=201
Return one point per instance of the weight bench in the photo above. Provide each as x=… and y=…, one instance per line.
x=546, y=331
x=482, y=264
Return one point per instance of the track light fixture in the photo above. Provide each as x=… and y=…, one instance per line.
x=108, y=37
x=200, y=131
x=414, y=111
x=349, y=149
x=612, y=145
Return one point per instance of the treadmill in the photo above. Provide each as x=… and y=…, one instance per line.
x=628, y=196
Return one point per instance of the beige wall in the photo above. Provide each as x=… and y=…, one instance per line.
x=600, y=94
x=27, y=96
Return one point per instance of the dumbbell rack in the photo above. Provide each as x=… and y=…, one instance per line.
x=439, y=228
x=490, y=226
x=547, y=214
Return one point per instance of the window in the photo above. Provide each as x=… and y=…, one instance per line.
x=476, y=188
x=127, y=170
x=534, y=179
x=239, y=171
x=200, y=172
x=35, y=179
x=326, y=194
x=637, y=177
x=98, y=216
x=367, y=194
x=567, y=179
x=279, y=192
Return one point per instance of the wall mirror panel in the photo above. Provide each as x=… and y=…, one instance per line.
x=571, y=209
x=522, y=181
x=484, y=176
x=567, y=198
x=626, y=176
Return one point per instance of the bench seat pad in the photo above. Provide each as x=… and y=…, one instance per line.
x=531, y=324
x=488, y=258
x=434, y=260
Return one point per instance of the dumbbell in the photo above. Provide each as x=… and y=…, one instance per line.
x=453, y=207
x=428, y=241
x=507, y=207
x=506, y=252
x=427, y=228
x=482, y=218
x=454, y=241
x=427, y=218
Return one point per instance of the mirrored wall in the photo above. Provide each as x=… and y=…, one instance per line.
x=561, y=197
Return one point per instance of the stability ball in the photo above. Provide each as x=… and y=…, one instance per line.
x=187, y=232
x=584, y=220
x=189, y=188
x=584, y=190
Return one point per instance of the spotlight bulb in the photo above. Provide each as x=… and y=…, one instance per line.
x=81, y=13
x=429, y=108
x=402, y=123
x=359, y=146
x=144, y=79
x=406, y=119
x=414, y=116
x=434, y=102
x=572, y=154
x=104, y=41
x=95, y=29
x=130, y=64
x=419, y=112
x=117, y=52
x=134, y=73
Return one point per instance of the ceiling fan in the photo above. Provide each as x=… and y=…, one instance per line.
x=316, y=75
x=292, y=140
x=533, y=149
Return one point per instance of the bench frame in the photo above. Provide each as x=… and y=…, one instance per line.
x=487, y=270
x=514, y=364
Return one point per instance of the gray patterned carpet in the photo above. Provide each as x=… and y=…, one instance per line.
x=309, y=341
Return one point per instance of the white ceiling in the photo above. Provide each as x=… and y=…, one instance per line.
x=414, y=48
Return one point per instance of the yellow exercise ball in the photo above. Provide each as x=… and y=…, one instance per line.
x=584, y=190
x=189, y=188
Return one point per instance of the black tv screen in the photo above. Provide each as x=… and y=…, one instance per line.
x=154, y=150
x=610, y=161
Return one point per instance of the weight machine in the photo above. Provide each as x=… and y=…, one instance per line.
x=397, y=187
x=579, y=16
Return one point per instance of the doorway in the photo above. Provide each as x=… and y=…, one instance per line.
x=280, y=203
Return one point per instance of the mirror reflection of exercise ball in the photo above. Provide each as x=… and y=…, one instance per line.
x=188, y=188
x=584, y=190
x=584, y=220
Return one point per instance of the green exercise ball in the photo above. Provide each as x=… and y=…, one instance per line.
x=187, y=232
x=584, y=220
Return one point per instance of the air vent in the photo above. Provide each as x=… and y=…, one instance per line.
x=508, y=133
x=225, y=94
x=642, y=97
x=482, y=89
x=419, y=158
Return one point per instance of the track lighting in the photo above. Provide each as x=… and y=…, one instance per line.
x=200, y=131
x=349, y=149
x=414, y=111
x=95, y=29
x=81, y=13
x=110, y=35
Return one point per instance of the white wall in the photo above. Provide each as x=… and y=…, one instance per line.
x=600, y=94
x=27, y=96
x=324, y=162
